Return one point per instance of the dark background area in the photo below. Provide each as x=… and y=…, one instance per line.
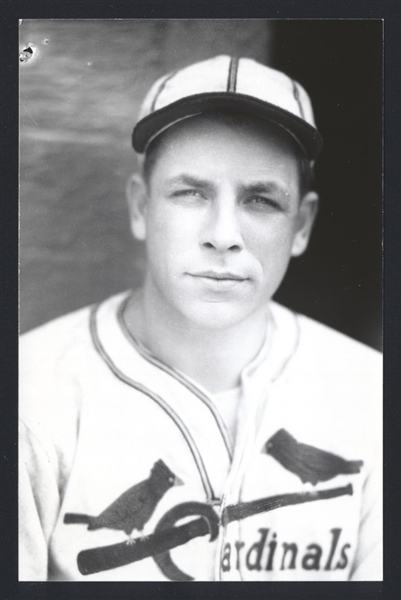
x=338, y=281
x=79, y=96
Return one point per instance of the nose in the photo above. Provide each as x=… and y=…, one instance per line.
x=221, y=230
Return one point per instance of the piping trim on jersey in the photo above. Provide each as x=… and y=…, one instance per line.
x=276, y=376
x=147, y=355
x=162, y=403
x=295, y=348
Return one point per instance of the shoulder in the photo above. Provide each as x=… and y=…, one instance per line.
x=323, y=342
x=47, y=342
x=54, y=341
x=335, y=383
x=55, y=359
x=331, y=365
x=48, y=352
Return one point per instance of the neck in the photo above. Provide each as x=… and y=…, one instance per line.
x=212, y=358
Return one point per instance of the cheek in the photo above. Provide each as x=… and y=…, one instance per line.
x=271, y=247
x=271, y=241
x=170, y=236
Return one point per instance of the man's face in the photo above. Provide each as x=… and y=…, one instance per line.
x=221, y=216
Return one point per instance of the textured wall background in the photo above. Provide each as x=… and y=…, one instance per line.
x=79, y=96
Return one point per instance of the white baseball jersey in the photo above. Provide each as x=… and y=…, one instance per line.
x=106, y=429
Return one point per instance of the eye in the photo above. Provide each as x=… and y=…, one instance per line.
x=189, y=194
x=171, y=480
x=262, y=203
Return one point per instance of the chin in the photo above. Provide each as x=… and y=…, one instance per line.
x=216, y=316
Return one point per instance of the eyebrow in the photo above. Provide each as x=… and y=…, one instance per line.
x=190, y=180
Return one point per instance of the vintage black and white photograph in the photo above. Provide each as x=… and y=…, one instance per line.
x=200, y=371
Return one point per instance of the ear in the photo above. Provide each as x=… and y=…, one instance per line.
x=137, y=201
x=307, y=212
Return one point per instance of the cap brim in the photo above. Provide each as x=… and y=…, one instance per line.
x=153, y=124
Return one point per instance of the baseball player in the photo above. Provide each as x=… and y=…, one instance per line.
x=194, y=429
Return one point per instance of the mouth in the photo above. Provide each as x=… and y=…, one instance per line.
x=219, y=276
x=219, y=282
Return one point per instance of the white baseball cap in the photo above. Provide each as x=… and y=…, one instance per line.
x=227, y=83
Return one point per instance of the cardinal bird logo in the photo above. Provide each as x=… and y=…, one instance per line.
x=310, y=464
x=133, y=509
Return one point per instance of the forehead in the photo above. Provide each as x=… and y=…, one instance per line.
x=224, y=141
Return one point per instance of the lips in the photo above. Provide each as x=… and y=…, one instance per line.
x=224, y=276
x=219, y=282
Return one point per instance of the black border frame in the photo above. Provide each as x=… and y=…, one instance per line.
x=12, y=10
